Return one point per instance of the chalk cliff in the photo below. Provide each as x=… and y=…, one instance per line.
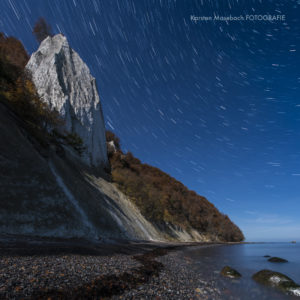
x=48, y=190
x=64, y=82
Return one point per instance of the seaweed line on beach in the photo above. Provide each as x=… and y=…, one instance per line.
x=106, y=286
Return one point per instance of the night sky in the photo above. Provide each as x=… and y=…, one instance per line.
x=215, y=104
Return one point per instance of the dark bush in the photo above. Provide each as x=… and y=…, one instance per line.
x=41, y=30
x=75, y=141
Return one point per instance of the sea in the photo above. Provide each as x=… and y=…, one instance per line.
x=247, y=259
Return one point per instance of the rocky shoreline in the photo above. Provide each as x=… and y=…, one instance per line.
x=175, y=281
x=58, y=269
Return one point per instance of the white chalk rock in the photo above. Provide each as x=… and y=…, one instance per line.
x=64, y=82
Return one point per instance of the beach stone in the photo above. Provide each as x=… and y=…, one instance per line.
x=277, y=260
x=278, y=281
x=230, y=272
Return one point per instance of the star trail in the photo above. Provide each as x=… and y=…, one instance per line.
x=214, y=103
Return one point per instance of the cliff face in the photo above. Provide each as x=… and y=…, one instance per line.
x=64, y=82
x=46, y=190
x=45, y=194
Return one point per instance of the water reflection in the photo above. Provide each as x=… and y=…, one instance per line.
x=246, y=259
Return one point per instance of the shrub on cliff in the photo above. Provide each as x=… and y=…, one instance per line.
x=18, y=91
x=163, y=199
x=75, y=141
x=110, y=136
x=41, y=30
x=13, y=51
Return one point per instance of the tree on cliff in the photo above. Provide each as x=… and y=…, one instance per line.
x=19, y=93
x=41, y=30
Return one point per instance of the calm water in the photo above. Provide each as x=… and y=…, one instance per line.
x=247, y=259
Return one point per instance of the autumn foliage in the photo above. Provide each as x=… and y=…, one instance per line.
x=13, y=50
x=19, y=93
x=162, y=199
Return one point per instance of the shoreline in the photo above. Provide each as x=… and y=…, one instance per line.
x=35, y=268
x=35, y=245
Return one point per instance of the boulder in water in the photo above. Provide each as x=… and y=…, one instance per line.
x=229, y=272
x=278, y=281
x=277, y=260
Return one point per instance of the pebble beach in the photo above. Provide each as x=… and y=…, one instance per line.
x=60, y=270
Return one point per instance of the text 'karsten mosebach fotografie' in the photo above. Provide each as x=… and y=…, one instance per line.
x=230, y=18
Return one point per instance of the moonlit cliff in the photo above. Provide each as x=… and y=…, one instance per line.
x=64, y=82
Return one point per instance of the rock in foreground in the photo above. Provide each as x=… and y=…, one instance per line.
x=229, y=272
x=278, y=281
x=277, y=260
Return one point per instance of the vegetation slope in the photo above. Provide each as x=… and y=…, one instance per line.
x=164, y=200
